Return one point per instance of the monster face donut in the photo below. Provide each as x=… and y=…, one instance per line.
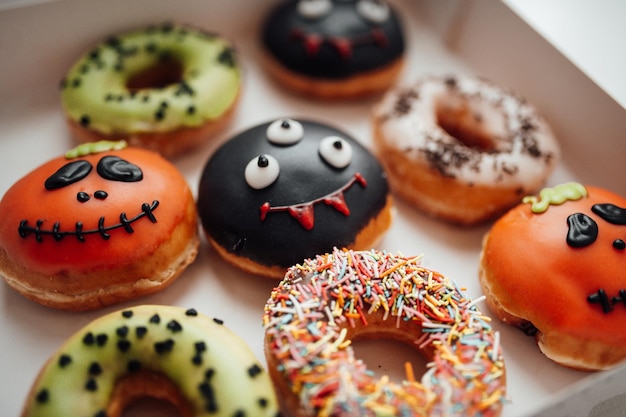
x=334, y=48
x=166, y=88
x=168, y=353
x=554, y=266
x=284, y=190
x=102, y=224
x=327, y=301
x=462, y=148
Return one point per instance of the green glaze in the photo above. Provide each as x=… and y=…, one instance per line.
x=570, y=191
x=95, y=147
x=223, y=378
x=95, y=94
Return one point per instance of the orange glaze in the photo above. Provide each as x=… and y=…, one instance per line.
x=29, y=200
x=542, y=279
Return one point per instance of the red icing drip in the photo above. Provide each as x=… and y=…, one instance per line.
x=265, y=208
x=380, y=38
x=303, y=214
x=343, y=47
x=338, y=202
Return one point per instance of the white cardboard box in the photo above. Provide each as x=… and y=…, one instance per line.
x=40, y=40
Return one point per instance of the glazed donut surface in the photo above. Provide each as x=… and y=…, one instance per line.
x=102, y=224
x=331, y=49
x=565, y=245
x=166, y=87
x=462, y=148
x=284, y=190
x=164, y=352
x=326, y=301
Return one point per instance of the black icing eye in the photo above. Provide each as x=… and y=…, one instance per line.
x=374, y=11
x=116, y=169
x=284, y=132
x=262, y=171
x=582, y=230
x=68, y=174
x=336, y=151
x=619, y=244
x=314, y=9
x=611, y=213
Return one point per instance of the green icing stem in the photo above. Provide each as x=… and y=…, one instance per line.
x=570, y=191
x=94, y=92
x=95, y=147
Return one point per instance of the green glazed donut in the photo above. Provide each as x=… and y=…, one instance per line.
x=166, y=352
x=149, y=85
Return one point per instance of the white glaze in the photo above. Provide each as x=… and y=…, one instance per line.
x=336, y=151
x=415, y=131
x=284, y=132
x=258, y=175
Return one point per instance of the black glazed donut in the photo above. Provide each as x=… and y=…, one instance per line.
x=285, y=190
x=326, y=41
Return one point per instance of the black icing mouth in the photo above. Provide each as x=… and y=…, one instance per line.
x=303, y=212
x=125, y=223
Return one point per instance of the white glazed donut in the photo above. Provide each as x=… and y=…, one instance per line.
x=462, y=148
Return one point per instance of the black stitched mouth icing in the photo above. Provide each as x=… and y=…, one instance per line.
x=125, y=223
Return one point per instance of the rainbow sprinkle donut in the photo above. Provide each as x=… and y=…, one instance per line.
x=325, y=302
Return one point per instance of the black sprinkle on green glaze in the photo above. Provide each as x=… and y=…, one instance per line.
x=64, y=360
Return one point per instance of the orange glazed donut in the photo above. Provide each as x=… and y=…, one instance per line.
x=103, y=224
x=554, y=266
x=461, y=148
x=325, y=302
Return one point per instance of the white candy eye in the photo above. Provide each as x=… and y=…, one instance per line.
x=376, y=11
x=336, y=151
x=284, y=132
x=312, y=9
x=262, y=171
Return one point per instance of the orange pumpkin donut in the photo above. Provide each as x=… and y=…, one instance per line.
x=103, y=224
x=554, y=266
x=325, y=302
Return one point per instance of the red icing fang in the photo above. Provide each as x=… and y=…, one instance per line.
x=338, y=202
x=304, y=215
x=343, y=47
x=265, y=208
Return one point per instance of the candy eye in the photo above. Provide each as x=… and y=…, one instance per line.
x=262, y=171
x=284, y=132
x=375, y=11
x=336, y=151
x=313, y=9
x=116, y=169
x=68, y=174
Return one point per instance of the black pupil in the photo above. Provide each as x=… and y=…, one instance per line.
x=263, y=161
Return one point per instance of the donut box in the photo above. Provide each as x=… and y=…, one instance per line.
x=450, y=37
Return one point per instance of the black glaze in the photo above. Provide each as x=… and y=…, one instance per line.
x=230, y=209
x=285, y=33
x=582, y=230
x=611, y=213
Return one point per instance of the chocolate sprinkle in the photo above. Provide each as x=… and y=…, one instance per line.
x=123, y=345
x=141, y=331
x=254, y=370
x=64, y=360
x=164, y=346
x=43, y=396
x=95, y=369
x=174, y=326
x=133, y=365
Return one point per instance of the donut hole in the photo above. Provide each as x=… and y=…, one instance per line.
x=141, y=392
x=385, y=356
x=466, y=122
x=164, y=73
x=152, y=407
